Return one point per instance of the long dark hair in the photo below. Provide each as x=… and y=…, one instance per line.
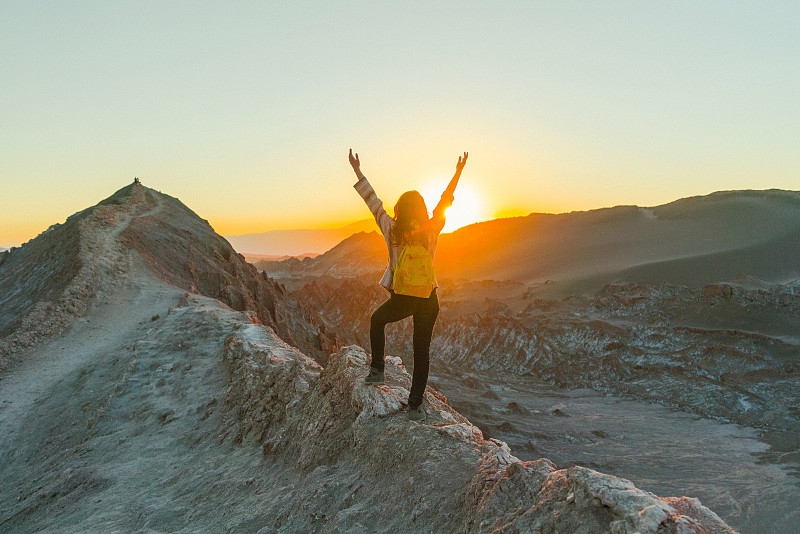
x=411, y=220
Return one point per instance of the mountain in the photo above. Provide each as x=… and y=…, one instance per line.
x=295, y=242
x=693, y=241
x=156, y=382
x=253, y=258
x=51, y=279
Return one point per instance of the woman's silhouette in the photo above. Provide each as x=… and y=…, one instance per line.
x=410, y=226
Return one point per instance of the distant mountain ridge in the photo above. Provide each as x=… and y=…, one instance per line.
x=295, y=242
x=692, y=241
x=359, y=254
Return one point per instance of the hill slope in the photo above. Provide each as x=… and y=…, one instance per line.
x=49, y=280
x=693, y=241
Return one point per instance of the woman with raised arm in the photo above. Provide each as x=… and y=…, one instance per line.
x=411, y=240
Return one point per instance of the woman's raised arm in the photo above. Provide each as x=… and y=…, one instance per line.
x=447, y=197
x=370, y=198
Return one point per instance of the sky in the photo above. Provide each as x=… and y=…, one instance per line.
x=246, y=110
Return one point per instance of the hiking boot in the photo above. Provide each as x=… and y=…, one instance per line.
x=417, y=414
x=374, y=378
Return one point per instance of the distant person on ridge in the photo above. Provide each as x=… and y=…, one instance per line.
x=411, y=239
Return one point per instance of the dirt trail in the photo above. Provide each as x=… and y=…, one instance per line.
x=113, y=425
x=96, y=424
x=106, y=327
x=107, y=324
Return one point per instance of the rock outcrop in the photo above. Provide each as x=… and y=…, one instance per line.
x=696, y=349
x=441, y=476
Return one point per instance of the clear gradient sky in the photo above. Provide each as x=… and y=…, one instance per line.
x=246, y=110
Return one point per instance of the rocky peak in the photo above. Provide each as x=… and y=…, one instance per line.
x=48, y=281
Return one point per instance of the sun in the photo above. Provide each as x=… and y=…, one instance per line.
x=468, y=206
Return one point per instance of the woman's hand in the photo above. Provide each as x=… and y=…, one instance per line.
x=462, y=160
x=451, y=187
x=355, y=163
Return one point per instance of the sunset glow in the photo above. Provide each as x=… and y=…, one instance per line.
x=468, y=207
x=246, y=113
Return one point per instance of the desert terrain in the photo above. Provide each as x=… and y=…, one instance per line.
x=153, y=381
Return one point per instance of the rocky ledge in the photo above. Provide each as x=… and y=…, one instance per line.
x=362, y=466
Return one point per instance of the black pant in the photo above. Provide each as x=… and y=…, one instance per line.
x=399, y=307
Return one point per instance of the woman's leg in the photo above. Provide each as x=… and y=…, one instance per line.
x=396, y=308
x=424, y=320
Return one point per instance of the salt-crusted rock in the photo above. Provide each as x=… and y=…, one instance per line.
x=441, y=476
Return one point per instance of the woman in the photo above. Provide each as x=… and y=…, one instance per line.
x=410, y=226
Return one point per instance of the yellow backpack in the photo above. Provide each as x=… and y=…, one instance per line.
x=414, y=272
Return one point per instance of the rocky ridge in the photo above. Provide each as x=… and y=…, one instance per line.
x=447, y=477
x=183, y=250
x=47, y=282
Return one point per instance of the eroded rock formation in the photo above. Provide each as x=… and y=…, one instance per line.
x=441, y=476
x=697, y=349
